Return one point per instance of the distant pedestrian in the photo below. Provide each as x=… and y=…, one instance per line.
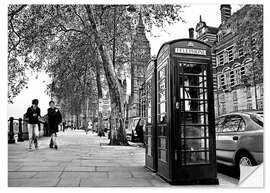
x=139, y=131
x=32, y=116
x=64, y=126
x=54, y=119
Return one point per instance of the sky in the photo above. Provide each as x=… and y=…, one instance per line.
x=37, y=82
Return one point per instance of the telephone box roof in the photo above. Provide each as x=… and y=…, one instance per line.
x=178, y=40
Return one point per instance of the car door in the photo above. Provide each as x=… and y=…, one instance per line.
x=228, y=137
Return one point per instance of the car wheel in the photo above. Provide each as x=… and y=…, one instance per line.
x=244, y=160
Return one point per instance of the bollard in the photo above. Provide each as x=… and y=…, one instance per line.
x=20, y=134
x=11, y=139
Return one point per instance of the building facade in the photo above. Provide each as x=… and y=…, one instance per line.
x=140, y=55
x=234, y=86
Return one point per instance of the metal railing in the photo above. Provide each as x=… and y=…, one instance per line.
x=16, y=128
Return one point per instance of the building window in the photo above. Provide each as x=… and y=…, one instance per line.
x=223, y=109
x=248, y=92
x=249, y=106
x=220, y=59
x=240, y=52
x=222, y=80
x=227, y=79
x=237, y=73
x=235, y=95
x=226, y=56
x=217, y=61
x=243, y=71
x=219, y=81
x=222, y=97
x=220, y=37
x=260, y=105
x=232, y=78
x=261, y=90
x=231, y=53
x=235, y=107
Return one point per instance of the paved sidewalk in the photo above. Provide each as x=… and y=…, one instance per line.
x=80, y=161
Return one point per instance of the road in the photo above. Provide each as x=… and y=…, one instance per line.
x=83, y=161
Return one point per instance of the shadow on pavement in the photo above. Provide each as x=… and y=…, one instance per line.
x=228, y=170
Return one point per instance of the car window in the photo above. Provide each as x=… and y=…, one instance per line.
x=257, y=118
x=219, y=124
x=242, y=125
x=231, y=123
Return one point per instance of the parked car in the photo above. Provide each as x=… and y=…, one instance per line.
x=135, y=130
x=239, y=138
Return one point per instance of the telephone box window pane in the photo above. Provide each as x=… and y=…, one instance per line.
x=162, y=131
x=194, y=144
x=193, y=105
x=162, y=118
x=162, y=73
x=148, y=130
x=163, y=155
x=193, y=68
x=194, y=158
x=149, y=110
x=195, y=118
x=163, y=143
x=192, y=131
x=149, y=120
x=191, y=80
x=162, y=96
x=162, y=84
x=149, y=146
x=162, y=107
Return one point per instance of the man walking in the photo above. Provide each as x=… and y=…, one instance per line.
x=54, y=119
x=32, y=116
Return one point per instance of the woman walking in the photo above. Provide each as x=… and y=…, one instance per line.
x=32, y=116
x=54, y=119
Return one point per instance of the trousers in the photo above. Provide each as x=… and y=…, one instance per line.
x=33, y=133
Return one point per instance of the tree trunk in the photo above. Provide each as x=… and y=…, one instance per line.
x=77, y=121
x=117, y=106
x=99, y=89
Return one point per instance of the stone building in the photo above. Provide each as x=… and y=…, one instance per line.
x=205, y=33
x=234, y=89
x=140, y=55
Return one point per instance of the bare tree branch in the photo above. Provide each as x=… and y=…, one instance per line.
x=13, y=13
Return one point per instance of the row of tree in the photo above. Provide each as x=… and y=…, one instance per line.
x=78, y=45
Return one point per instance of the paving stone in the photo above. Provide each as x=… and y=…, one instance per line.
x=13, y=168
x=69, y=182
x=112, y=168
x=88, y=182
x=75, y=174
x=79, y=168
x=81, y=161
x=47, y=175
x=40, y=163
x=120, y=175
x=39, y=168
x=16, y=175
x=139, y=174
x=33, y=182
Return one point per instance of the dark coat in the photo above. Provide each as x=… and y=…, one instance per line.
x=54, y=119
x=32, y=115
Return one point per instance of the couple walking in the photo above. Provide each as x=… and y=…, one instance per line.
x=33, y=118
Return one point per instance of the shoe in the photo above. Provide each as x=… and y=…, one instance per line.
x=56, y=147
x=36, y=145
x=51, y=145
